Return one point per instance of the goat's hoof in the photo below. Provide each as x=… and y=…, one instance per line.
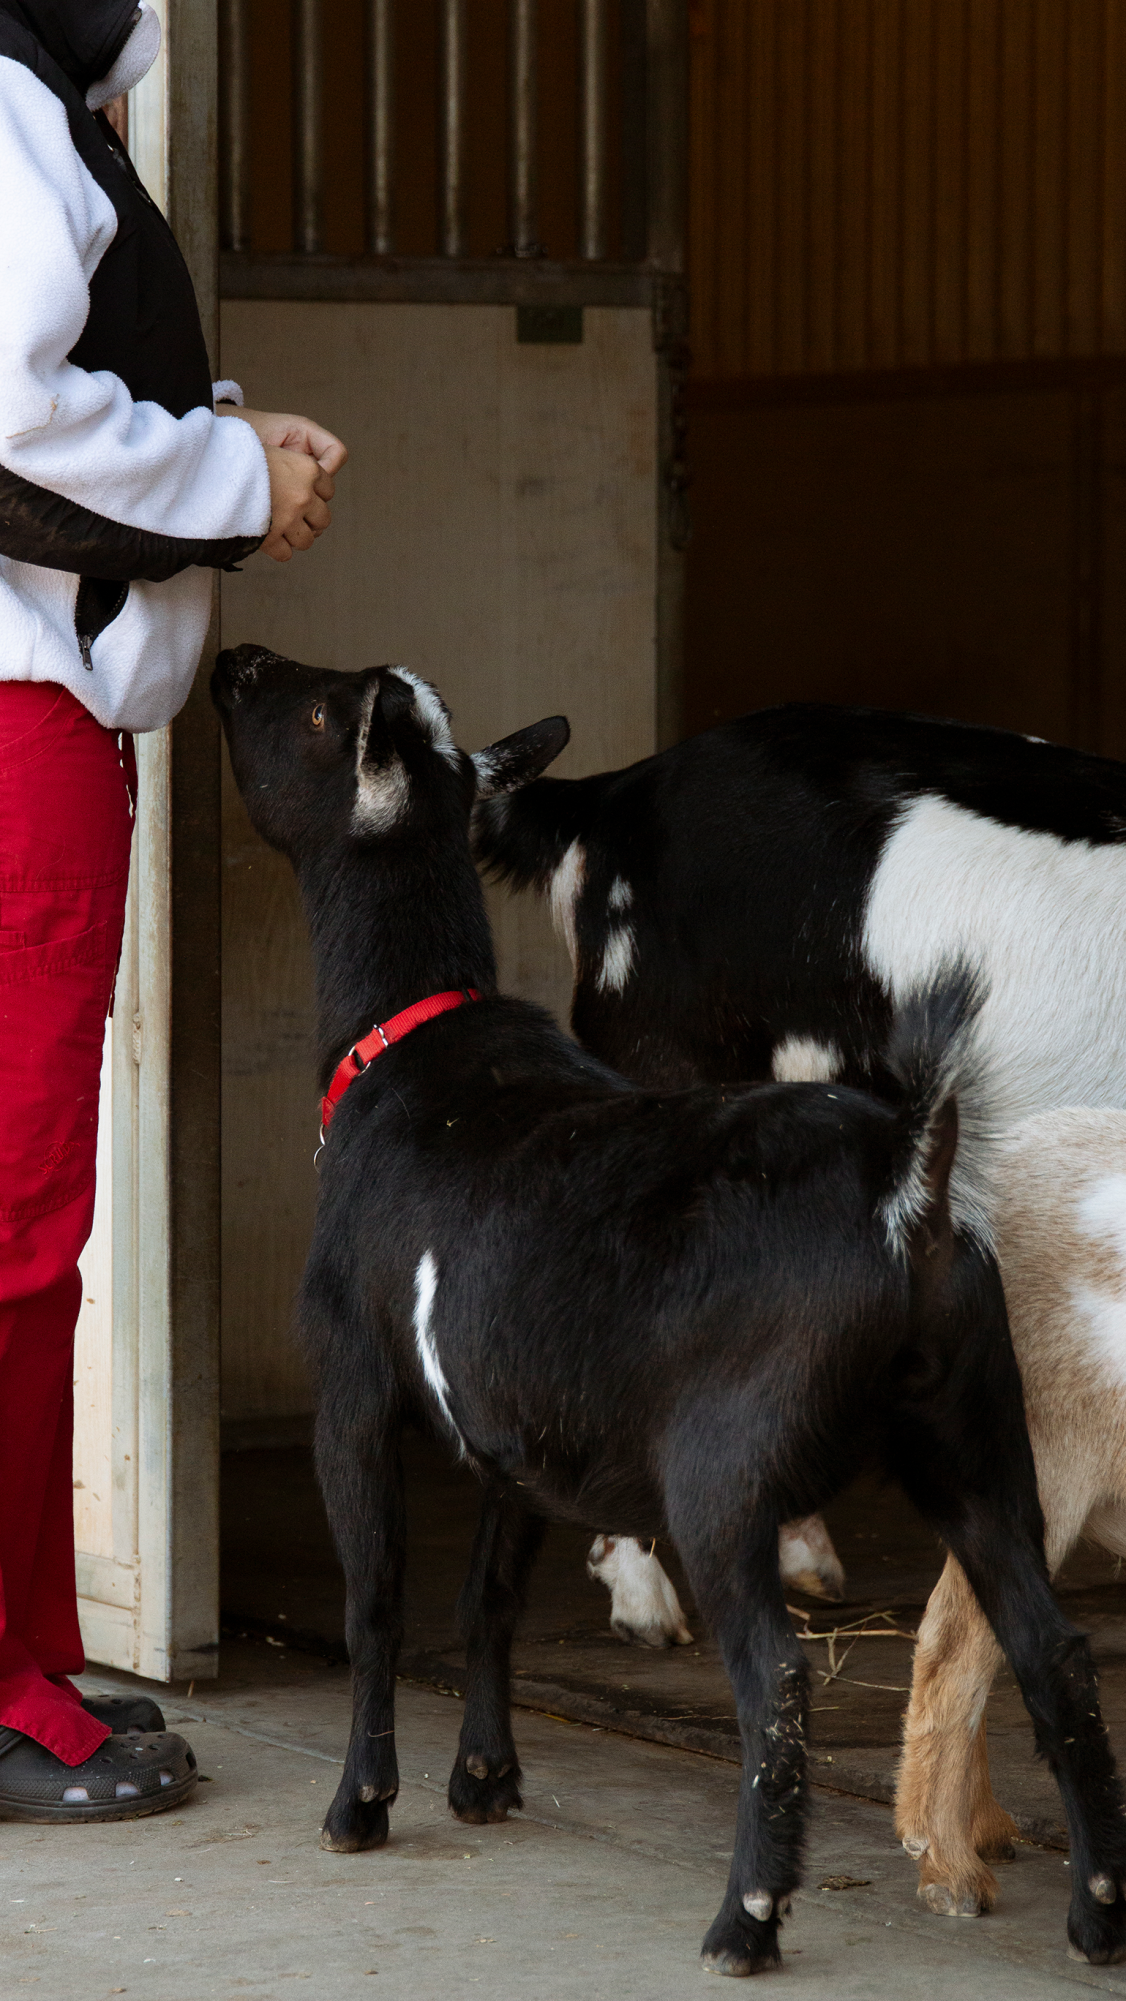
x=811, y=1584
x=653, y=1635
x=940, y=1898
x=741, y=1946
x=484, y=1791
x=1097, y=1930
x=916, y=1846
x=354, y=1824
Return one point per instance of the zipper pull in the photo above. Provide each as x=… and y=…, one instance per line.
x=84, y=645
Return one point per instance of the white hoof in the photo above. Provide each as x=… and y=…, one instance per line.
x=808, y=1561
x=644, y=1608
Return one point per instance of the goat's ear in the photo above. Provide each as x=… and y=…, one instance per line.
x=516, y=760
x=395, y=698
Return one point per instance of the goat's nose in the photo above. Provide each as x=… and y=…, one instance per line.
x=238, y=666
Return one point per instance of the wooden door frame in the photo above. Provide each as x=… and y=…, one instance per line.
x=176, y=884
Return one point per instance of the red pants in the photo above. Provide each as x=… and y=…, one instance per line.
x=67, y=788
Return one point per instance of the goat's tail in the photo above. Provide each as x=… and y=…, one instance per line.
x=941, y=1156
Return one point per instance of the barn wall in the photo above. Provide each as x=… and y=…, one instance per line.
x=908, y=276
x=496, y=531
x=906, y=183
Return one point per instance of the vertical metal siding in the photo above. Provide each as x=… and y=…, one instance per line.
x=906, y=183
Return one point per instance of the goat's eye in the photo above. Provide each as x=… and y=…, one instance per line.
x=318, y=718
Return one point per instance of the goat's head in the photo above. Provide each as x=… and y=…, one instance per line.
x=325, y=758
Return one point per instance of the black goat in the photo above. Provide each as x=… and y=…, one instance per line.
x=757, y=902
x=691, y=1313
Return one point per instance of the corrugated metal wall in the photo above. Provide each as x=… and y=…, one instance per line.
x=906, y=183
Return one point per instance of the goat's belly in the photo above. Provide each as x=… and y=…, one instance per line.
x=1042, y=919
x=606, y=1493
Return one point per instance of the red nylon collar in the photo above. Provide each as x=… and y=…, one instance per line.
x=382, y=1036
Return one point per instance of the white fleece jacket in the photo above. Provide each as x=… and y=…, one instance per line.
x=80, y=435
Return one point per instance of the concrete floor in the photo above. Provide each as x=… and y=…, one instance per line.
x=281, y=1579
x=607, y=1882
x=602, y=1888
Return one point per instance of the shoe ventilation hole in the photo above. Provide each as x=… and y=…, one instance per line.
x=75, y=1793
x=166, y=1778
x=124, y=1791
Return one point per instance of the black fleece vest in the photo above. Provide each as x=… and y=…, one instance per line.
x=144, y=322
x=143, y=326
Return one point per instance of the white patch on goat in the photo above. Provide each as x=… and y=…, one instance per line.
x=486, y=765
x=801, y=1059
x=807, y=1559
x=1041, y=918
x=620, y=894
x=617, y=960
x=382, y=793
x=566, y=888
x=1104, y=1317
x=425, y=1287
x=433, y=712
x=1101, y=1217
x=643, y=1603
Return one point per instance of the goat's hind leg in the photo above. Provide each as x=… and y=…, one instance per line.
x=946, y=1815
x=984, y=1504
x=485, y=1781
x=733, y=1569
x=361, y=1477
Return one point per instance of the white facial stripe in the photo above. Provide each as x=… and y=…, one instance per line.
x=617, y=960
x=801, y=1059
x=432, y=712
x=425, y=1287
x=566, y=888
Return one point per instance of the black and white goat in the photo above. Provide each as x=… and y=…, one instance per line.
x=757, y=901
x=690, y=1312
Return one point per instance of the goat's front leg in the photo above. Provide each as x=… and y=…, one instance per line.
x=733, y=1569
x=485, y=1781
x=644, y=1607
x=361, y=1477
x=946, y=1815
x=808, y=1561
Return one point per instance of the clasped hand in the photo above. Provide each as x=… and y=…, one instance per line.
x=303, y=460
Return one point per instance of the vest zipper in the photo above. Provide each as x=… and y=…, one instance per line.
x=97, y=610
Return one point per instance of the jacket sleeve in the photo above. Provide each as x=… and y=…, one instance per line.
x=89, y=480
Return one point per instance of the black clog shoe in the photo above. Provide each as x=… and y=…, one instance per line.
x=127, y=1777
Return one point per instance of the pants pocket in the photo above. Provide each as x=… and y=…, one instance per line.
x=53, y=1001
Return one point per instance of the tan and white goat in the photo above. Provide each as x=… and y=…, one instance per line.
x=1061, y=1242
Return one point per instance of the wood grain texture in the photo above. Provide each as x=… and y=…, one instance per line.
x=496, y=530
x=906, y=183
